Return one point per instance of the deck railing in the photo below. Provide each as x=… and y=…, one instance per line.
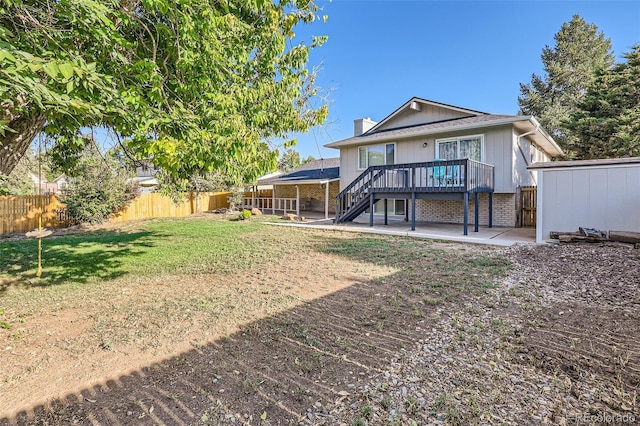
x=270, y=203
x=432, y=176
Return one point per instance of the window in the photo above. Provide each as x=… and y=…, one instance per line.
x=470, y=147
x=376, y=155
x=394, y=207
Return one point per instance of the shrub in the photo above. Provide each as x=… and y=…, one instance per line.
x=245, y=215
x=96, y=191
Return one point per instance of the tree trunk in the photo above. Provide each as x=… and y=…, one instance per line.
x=13, y=145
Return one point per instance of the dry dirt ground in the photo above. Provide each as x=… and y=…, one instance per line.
x=389, y=331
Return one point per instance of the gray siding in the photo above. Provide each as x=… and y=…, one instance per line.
x=603, y=197
x=526, y=153
x=498, y=151
x=427, y=114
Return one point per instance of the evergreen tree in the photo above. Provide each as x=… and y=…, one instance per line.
x=607, y=121
x=570, y=66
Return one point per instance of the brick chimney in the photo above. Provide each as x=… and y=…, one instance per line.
x=362, y=125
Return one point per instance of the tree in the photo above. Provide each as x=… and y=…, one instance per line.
x=570, y=66
x=197, y=86
x=19, y=182
x=606, y=122
x=290, y=160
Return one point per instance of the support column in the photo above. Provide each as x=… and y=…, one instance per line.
x=491, y=210
x=326, y=201
x=297, y=200
x=386, y=214
x=413, y=211
x=253, y=197
x=370, y=209
x=273, y=200
x=406, y=210
x=477, y=212
x=465, y=196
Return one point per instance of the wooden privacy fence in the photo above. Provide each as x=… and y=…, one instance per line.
x=147, y=206
x=528, y=203
x=19, y=213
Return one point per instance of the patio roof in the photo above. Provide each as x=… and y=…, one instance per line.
x=316, y=171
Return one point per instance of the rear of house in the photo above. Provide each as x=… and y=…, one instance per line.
x=435, y=138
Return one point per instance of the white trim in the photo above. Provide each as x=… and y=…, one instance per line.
x=457, y=139
x=384, y=144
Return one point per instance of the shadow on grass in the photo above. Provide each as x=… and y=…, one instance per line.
x=280, y=367
x=77, y=258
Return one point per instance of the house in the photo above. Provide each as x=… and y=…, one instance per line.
x=145, y=177
x=436, y=162
x=311, y=187
x=56, y=186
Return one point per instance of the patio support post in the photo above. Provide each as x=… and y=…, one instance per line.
x=413, y=211
x=297, y=200
x=491, y=210
x=326, y=200
x=465, y=197
x=273, y=200
x=386, y=216
x=370, y=209
x=253, y=197
x=477, y=214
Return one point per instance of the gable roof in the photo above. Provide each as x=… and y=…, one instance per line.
x=523, y=123
x=426, y=102
x=316, y=171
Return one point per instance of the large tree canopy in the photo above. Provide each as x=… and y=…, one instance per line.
x=570, y=66
x=607, y=121
x=195, y=85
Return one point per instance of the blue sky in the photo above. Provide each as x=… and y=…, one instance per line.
x=472, y=54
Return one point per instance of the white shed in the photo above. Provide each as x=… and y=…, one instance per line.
x=602, y=194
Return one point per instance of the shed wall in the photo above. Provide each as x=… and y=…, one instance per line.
x=602, y=197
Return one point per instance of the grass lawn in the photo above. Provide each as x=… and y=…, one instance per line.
x=122, y=299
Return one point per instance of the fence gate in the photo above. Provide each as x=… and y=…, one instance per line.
x=528, y=199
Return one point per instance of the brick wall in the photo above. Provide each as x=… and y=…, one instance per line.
x=313, y=192
x=451, y=211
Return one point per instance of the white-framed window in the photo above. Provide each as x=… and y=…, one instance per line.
x=376, y=155
x=471, y=147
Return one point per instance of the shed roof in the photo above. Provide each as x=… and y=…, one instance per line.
x=584, y=163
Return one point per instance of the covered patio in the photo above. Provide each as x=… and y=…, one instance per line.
x=312, y=187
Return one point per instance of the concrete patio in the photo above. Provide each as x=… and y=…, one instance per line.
x=500, y=236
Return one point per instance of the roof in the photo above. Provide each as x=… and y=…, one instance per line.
x=584, y=163
x=316, y=171
x=428, y=102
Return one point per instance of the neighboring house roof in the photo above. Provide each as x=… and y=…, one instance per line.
x=585, y=163
x=524, y=123
x=316, y=171
x=426, y=102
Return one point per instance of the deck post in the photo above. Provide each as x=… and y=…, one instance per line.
x=465, y=197
x=477, y=214
x=370, y=209
x=386, y=215
x=491, y=210
x=406, y=210
x=253, y=196
x=413, y=211
x=297, y=200
x=326, y=200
